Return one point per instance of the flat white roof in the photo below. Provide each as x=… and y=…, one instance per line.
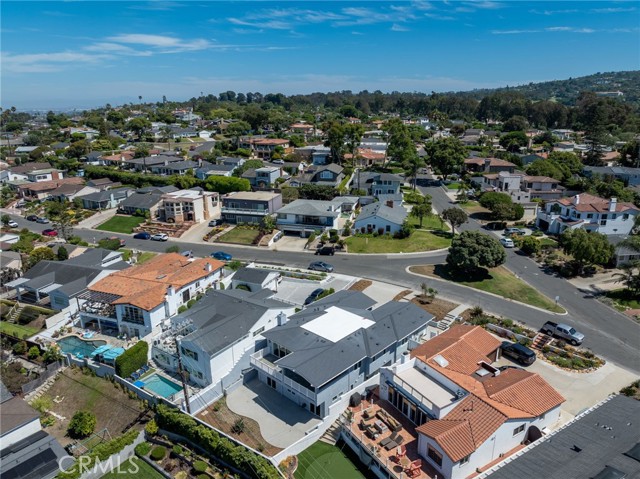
x=336, y=323
x=428, y=387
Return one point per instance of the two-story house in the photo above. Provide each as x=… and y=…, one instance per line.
x=333, y=346
x=378, y=183
x=629, y=176
x=249, y=206
x=521, y=187
x=263, y=177
x=137, y=302
x=324, y=175
x=189, y=205
x=488, y=165
x=219, y=333
x=609, y=217
x=308, y=216
x=21, y=172
x=264, y=148
x=468, y=413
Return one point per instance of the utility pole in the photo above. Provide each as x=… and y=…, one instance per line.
x=183, y=377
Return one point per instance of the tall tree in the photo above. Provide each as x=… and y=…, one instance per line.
x=446, y=155
x=586, y=248
x=472, y=250
x=352, y=137
x=402, y=148
x=61, y=216
x=455, y=217
x=423, y=209
x=335, y=137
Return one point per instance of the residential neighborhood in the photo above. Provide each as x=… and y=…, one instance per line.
x=341, y=284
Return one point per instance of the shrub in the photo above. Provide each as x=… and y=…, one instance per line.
x=177, y=450
x=143, y=449
x=82, y=424
x=41, y=404
x=476, y=311
x=172, y=249
x=34, y=352
x=238, y=426
x=190, y=303
x=151, y=428
x=20, y=347
x=132, y=359
x=158, y=453
x=200, y=466
x=182, y=309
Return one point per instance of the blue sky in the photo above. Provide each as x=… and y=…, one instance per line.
x=82, y=54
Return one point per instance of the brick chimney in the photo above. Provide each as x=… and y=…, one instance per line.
x=390, y=203
x=612, y=204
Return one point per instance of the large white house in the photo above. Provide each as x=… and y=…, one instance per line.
x=609, y=217
x=138, y=300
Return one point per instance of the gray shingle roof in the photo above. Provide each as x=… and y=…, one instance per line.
x=252, y=275
x=379, y=209
x=106, y=194
x=319, y=360
x=310, y=208
x=142, y=201
x=603, y=436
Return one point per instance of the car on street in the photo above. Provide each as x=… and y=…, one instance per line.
x=326, y=251
x=514, y=231
x=321, y=266
x=507, y=242
x=221, y=256
x=278, y=162
x=50, y=232
x=159, y=237
x=42, y=220
x=213, y=223
x=518, y=353
x=12, y=224
x=313, y=296
x=32, y=218
x=142, y=235
x=187, y=254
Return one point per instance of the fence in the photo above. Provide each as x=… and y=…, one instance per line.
x=118, y=461
x=52, y=370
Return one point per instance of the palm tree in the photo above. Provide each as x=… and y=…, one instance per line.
x=630, y=276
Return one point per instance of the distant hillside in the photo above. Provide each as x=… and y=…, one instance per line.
x=567, y=91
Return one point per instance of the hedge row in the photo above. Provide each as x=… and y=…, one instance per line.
x=132, y=359
x=237, y=456
x=99, y=453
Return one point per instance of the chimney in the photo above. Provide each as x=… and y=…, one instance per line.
x=577, y=201
x=166, y=162
x=208, y=267
x=612, y=204
x=390, y=203
x=170, y=290
x=282, y=318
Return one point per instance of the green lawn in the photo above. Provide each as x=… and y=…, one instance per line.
x=127, y=469
x=142, y=257
x=498, y=281
x=548, y=242
x=453, y=186
x=624, y=299
x=17, y=330
x=323, y=461
x=428, y=223
x=121, y=224
x=239, y=235
x=419, y=240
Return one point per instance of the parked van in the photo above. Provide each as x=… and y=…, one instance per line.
x=518, y=352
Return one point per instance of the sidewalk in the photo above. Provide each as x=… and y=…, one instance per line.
x=97, y=219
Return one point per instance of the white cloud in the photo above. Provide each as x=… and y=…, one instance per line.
x=164, y=43
x=47, y=62
x=398, y=28
x=613, y=10
x=512, y=32
x=116, y=48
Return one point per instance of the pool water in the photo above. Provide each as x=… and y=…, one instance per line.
x=77, y=346
x=161, y=385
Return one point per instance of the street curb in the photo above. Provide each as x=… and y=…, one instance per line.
x=566, y=313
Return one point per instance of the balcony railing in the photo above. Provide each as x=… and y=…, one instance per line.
x=417, y=395
x=246, y=211
x=257, y=360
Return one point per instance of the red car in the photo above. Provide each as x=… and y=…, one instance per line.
x=50, y=232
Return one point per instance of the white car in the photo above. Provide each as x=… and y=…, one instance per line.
x=12, y=224
x=160, y=237
x=507, y=242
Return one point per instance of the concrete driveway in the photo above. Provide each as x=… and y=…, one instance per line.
x=581, y=390
x=281, y=421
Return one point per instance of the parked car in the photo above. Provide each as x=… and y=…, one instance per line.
x=187, y=254
x=142, y=235
x=42, y=220
x=12, y=224
x=514, y=231
x=213, y=223
x=313, y=296
x=518, y=353
x=159, y=237
x=50, y=232
x=326, y=251
x=221, y=256
x=32, y=218
x=563, y=331
x=507, y=242
x=278, y=162
x=321, y=266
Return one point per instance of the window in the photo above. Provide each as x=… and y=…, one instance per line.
x=132, y=314
x=197, y=284
x=186, y=296
x=271, y=383
x=434, y=455
x=258, y=331
x=625, y=216
x=188, y=353
x=518, y=430
x=464, y=460
x=357, y=365
x=388, y=228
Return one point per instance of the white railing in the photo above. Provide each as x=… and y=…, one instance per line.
x=226, y=209
x=417, y=395
x=272, y=370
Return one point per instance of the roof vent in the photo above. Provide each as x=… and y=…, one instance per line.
x=161, y=276
x=442, y=362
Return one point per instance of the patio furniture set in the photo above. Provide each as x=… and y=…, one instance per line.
x=382, y=424
x=136, y=375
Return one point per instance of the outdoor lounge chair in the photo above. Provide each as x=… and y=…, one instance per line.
x=385, y=441
x=391, y=445
x=399, y=440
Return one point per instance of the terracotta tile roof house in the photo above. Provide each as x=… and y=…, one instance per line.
x=41, y=190
x=147, y=294
x=488, y=165
x=468, y=412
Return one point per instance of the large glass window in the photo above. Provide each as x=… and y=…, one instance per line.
x=133, y=315
x=434, y=455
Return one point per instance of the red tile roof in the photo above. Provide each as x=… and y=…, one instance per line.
x=585, y=202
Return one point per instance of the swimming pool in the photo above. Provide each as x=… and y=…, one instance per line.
x=79, y=347
x=160, y=385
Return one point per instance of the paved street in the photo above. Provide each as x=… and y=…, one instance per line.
x=608, y=333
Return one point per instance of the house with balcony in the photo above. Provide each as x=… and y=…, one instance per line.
x=263, y=177
x=194, y=205
x=323, y=175
x=138, y=301
x=264, y=148
x=378, y=183
x=522, y=188
x=216, y=337
x=308, y=216
x=609, y=217
x=249, y=206
x=334, y=345
x=461, y=412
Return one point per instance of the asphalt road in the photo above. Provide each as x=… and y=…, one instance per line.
x=608, y=333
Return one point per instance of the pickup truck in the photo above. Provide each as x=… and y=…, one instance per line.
x=563, y=331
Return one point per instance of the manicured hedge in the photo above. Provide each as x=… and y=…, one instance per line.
x=132, y=359
x=252, y=464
